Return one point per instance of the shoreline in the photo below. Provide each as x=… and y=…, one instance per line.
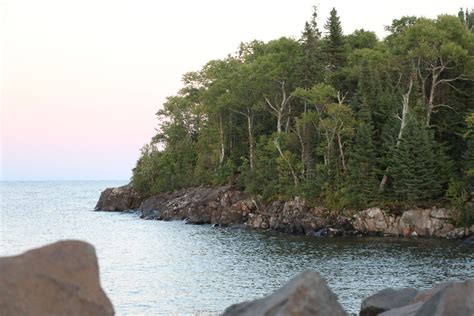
x=227, y=207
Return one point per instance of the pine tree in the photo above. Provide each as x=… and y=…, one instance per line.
x=311, y=63
x=334, y=48
x=461, y=15
x=368, y=87
x=362, y=183
x=467, y=18
x=415, y=165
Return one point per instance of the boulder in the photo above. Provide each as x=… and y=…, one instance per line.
x=408, y=310
x=455, y=299
x=385, y=300
x=305, y=294
x=118, y=199
x=58, y=279
x=426, y=295
x=445, y=299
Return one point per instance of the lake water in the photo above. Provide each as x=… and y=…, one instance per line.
x=162, y=268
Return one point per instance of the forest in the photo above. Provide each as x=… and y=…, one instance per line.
x=344, y=121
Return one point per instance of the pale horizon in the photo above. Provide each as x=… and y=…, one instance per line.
x=82, y=80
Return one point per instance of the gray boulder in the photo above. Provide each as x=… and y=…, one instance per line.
x=455, y=299
x=446, y=299
x=385, y=300
x=305, y=294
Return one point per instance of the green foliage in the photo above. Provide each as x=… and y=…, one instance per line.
x=334, y=50
x=415, y=165
x=327, y=118
x=334, y=45
x=457, y=194
x=362, y=182
x=311, y=61
x=362, y=39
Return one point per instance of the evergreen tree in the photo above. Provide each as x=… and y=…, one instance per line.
x=468, y=157
x=362, y=183
x=311, y=61
x=415, y=165
x=467, y=18
x=462, y=16
x=334, y=50
x=368, y=89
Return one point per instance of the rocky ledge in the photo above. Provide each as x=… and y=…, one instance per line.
x=227, y=206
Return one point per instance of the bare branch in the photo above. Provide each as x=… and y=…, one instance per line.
x=341, y=98
x=239, y=112
x=443, y=106
x=271, y=105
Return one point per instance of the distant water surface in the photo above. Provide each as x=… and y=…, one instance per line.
x=162, y=268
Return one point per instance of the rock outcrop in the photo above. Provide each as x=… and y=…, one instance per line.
x=306, y=294
x=118, y=199
x=58, y=279
x=227, y=206
x=434, y=222
x=223, y=206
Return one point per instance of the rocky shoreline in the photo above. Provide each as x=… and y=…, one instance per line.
x=226, y=206
x=63, y=279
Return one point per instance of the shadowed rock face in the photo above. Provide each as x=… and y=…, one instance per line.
x=385, y=300
x=118, y=199
x=304, y=295
x=58, y=279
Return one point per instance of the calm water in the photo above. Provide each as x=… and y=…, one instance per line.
x=153, y=267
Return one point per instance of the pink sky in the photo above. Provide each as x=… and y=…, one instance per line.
x=82, y=80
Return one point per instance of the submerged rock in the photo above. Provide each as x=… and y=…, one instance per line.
x=306, y=294
x=58, y=279
x=118, y=199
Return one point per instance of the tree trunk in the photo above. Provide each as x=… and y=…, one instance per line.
x=405, y=112
x=221, y=139
x=293, y=173
x=279, y=110
x=341, y=151
x=251, y=141
x=430, y=108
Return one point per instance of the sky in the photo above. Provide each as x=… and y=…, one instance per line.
x=81, y=80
